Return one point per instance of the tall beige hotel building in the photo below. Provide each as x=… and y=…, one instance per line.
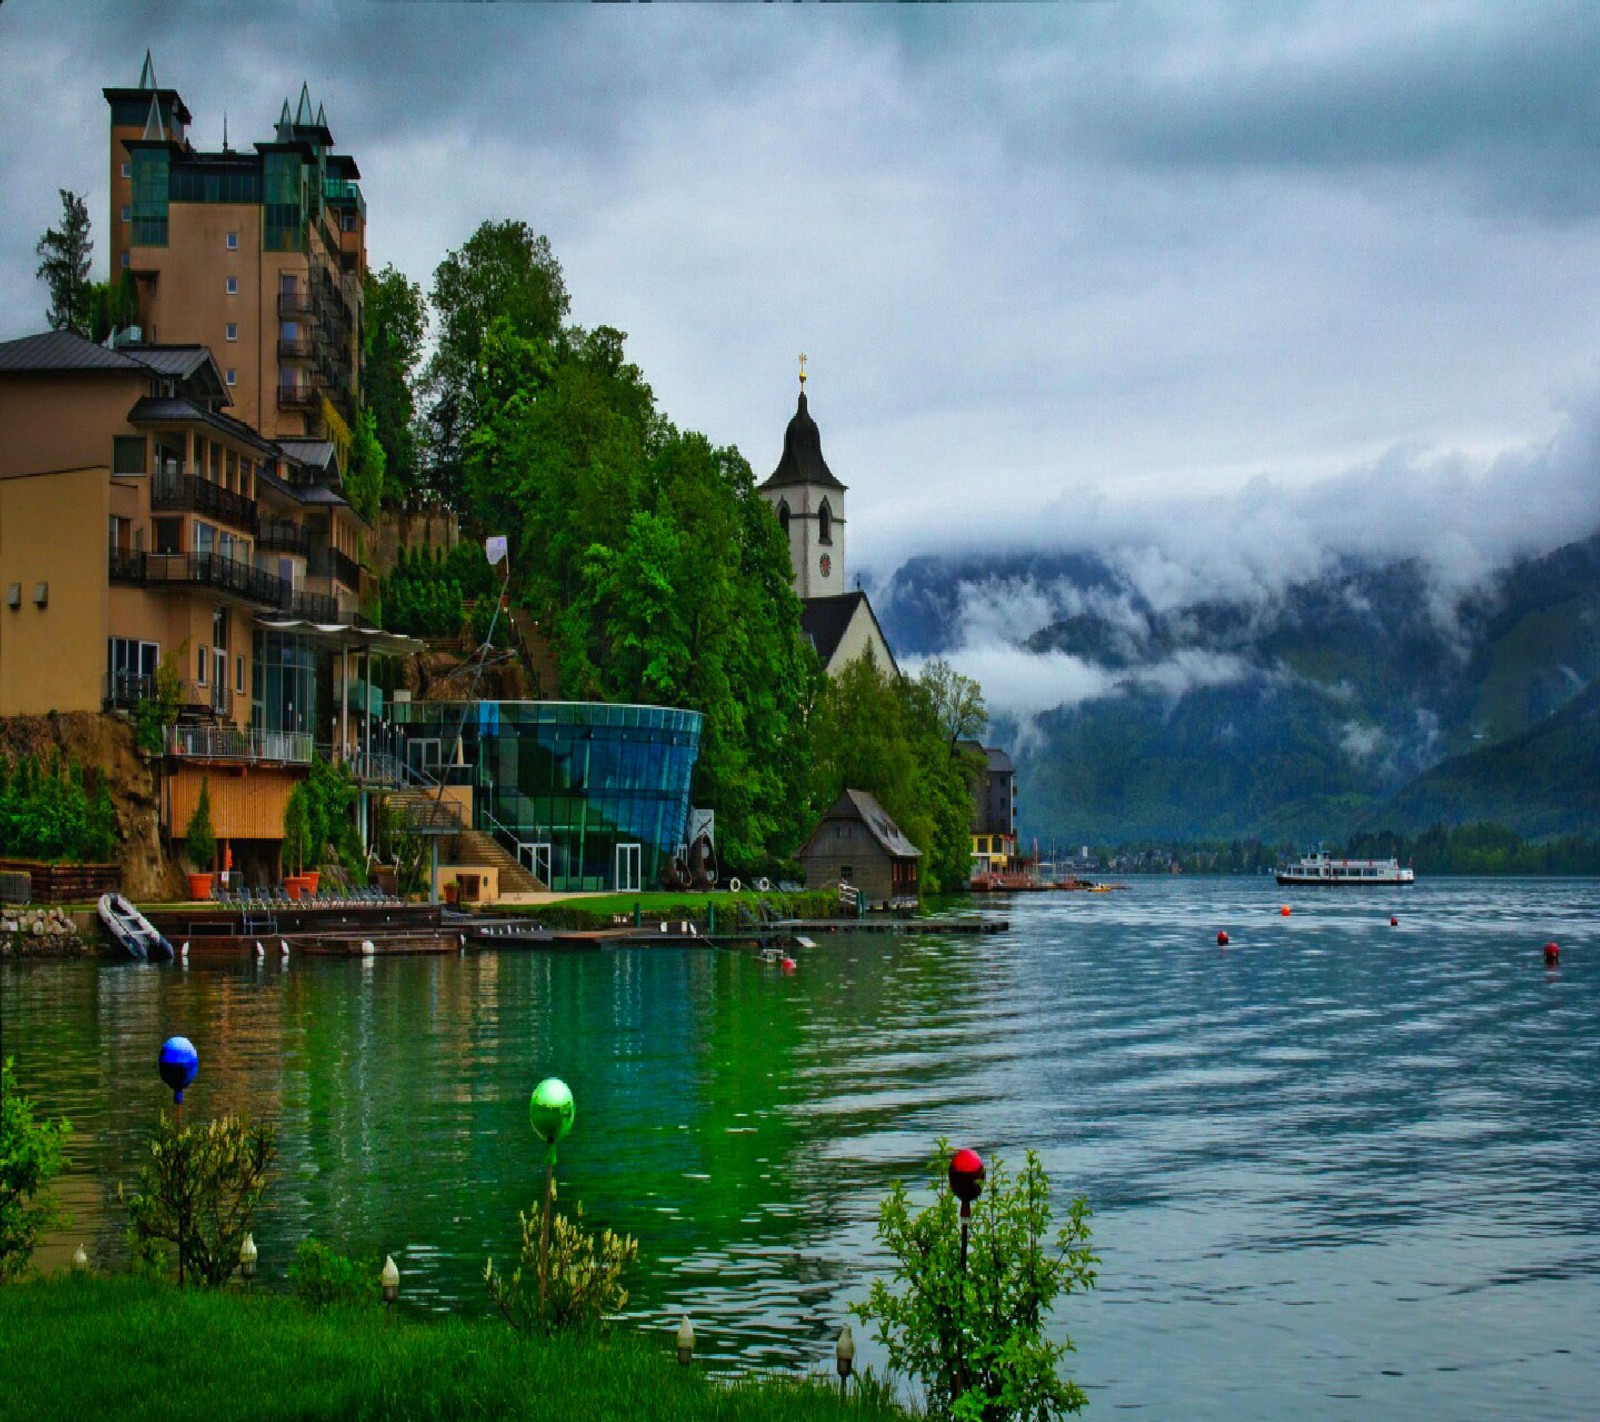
x=175, y=496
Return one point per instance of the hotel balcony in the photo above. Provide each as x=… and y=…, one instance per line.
x=171, y=492
x=295, y=303
x=124, y=691
x=282, y=535
x=230, y=743
x=302, y=348
x=330, y=563
x=302, y=395
x=212, y=570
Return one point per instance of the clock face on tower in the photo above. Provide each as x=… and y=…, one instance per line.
x=826, y=564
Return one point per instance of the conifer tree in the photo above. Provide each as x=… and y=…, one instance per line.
x=65, y=266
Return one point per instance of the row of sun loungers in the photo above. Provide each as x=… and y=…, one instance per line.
x=273, y=897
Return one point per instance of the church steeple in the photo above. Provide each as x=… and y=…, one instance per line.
x=808, y=501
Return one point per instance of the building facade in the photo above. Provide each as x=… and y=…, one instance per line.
x=856, y=843
x=594, y=797
x=994, y=812
x=259, y=255
x=808, y=502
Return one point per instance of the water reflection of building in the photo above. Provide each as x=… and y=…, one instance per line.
x=594, y=797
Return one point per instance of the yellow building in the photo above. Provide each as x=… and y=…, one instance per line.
x=141, y=524
x=259, y=255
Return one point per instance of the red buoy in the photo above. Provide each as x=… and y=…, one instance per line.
x=1552, y=953
x=1222, y=940
x=966, y=1177
x=787, y=964
x=1284, y=910
x=1393, y=921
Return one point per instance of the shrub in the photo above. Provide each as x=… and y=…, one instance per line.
x=323, y=1278
x=296, y=828
x=200, y=839
x=31, y=1156
x=199, y=1191
x=976, y=1343
x=584, y=1285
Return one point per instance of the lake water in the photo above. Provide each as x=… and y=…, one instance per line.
x=1339, y=1169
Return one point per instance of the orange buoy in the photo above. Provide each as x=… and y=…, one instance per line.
x=787, y=964
x=1284, y=910
x=1222, y=940
x=1393, y=921
x=1552, y=953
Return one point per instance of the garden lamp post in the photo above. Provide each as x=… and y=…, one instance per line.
x=247, y=1258
x=80, y=1260
x=844, y=1357
x=551, y=1110
x=685, y=1341
x=390, y=1279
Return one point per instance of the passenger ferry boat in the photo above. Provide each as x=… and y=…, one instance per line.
x=1322, y=869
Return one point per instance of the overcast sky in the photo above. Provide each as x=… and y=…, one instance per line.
x=1205, y=276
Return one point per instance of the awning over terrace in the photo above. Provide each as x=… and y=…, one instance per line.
x=346, y=636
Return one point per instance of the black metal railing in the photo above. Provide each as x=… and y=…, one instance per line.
x=127, y=689
x=313, y=607
x=294, y=303
x=127, y=565
x=301, y=348
x=282, y=535
x=212, y=570
x=327, y=562
x=189, y=492
x=302, y=395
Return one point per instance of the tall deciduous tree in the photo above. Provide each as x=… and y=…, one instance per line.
x=64, y=267
x=395, y=322
x=504, y=270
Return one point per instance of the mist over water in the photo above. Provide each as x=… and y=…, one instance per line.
x=1340, y=1169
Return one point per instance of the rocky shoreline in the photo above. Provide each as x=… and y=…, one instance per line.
x=43, y=932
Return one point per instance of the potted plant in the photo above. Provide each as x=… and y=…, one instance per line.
x=200, y=844
x=296, y=836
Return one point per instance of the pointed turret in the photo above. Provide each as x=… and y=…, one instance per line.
x=303, y=117
x=153, y=127
x=147, y=75
x=285, y=132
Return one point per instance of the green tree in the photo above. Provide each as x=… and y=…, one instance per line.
x=583, y=1279
x=200, y=838
x=31, y=1156
x=503, y=271
x=296, y=828
x=64, y=267
x=975, y=1340
x=199, y=1191
x=394, y=325
x=366, y=477
x=957, y=702
x=113, y=306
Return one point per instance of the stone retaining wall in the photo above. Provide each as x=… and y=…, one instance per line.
x=45, y=932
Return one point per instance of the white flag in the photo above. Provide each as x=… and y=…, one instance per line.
x=496, y=549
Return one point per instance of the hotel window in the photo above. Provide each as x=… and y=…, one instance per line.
x=127, y=170
x=233, y=330
x=127, y=454
x=201, y=656
x=238, y=675
x=124, y=259
x=232, y=376
x=168, y=534
x=233, y=241
x=205, y=537
x=233, y=286
x=127, y=213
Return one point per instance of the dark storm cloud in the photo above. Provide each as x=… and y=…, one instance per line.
x=1088, y=272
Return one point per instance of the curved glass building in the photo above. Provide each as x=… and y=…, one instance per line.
x=590, y=796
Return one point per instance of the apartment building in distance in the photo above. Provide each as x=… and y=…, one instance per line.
x=258, y=256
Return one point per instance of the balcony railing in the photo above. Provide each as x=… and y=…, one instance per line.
x=282, y=535
x=294, y=303
x=330, y=563
x=303, y=396
x=230, y=743
x=301, y=348
x=169, y=491
x=127, y=689
x=212, y=570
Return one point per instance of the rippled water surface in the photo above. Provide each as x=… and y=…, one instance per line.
x=1340, y=1168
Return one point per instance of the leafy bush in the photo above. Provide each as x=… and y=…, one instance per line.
x=200, y=839
x=976, y=1343
x=45, y=812
x=154, y=714
x=31, y=1156
x=584, y=1284
x=323, y=1278
x=199, y=1191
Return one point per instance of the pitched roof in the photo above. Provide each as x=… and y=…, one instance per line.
x=859, y=805
x=156, y=410
x=825, y=620
x=63, y=350
x=802, y=461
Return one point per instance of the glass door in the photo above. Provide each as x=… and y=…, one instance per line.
x=628, y=858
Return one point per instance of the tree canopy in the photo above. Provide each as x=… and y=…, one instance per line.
x=64, y=266
x=394, y=324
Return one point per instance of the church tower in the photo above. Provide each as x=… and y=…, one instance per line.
x=809, y=504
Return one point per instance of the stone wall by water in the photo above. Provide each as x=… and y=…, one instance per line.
x=27, y=932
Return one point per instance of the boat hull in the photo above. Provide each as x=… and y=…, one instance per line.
x=1289, y=879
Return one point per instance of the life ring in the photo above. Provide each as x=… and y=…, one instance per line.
x=764, y=886
x=734, y=886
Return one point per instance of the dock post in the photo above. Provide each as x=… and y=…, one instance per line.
x=711, y=921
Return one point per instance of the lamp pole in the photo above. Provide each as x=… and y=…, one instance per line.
x=966, y=1183
x=179, y=1064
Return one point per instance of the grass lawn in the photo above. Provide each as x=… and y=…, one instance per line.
x=87, y=1347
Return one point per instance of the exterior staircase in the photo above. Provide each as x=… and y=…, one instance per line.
x=422, y=812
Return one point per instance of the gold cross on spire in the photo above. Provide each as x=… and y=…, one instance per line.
x=802, y=370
